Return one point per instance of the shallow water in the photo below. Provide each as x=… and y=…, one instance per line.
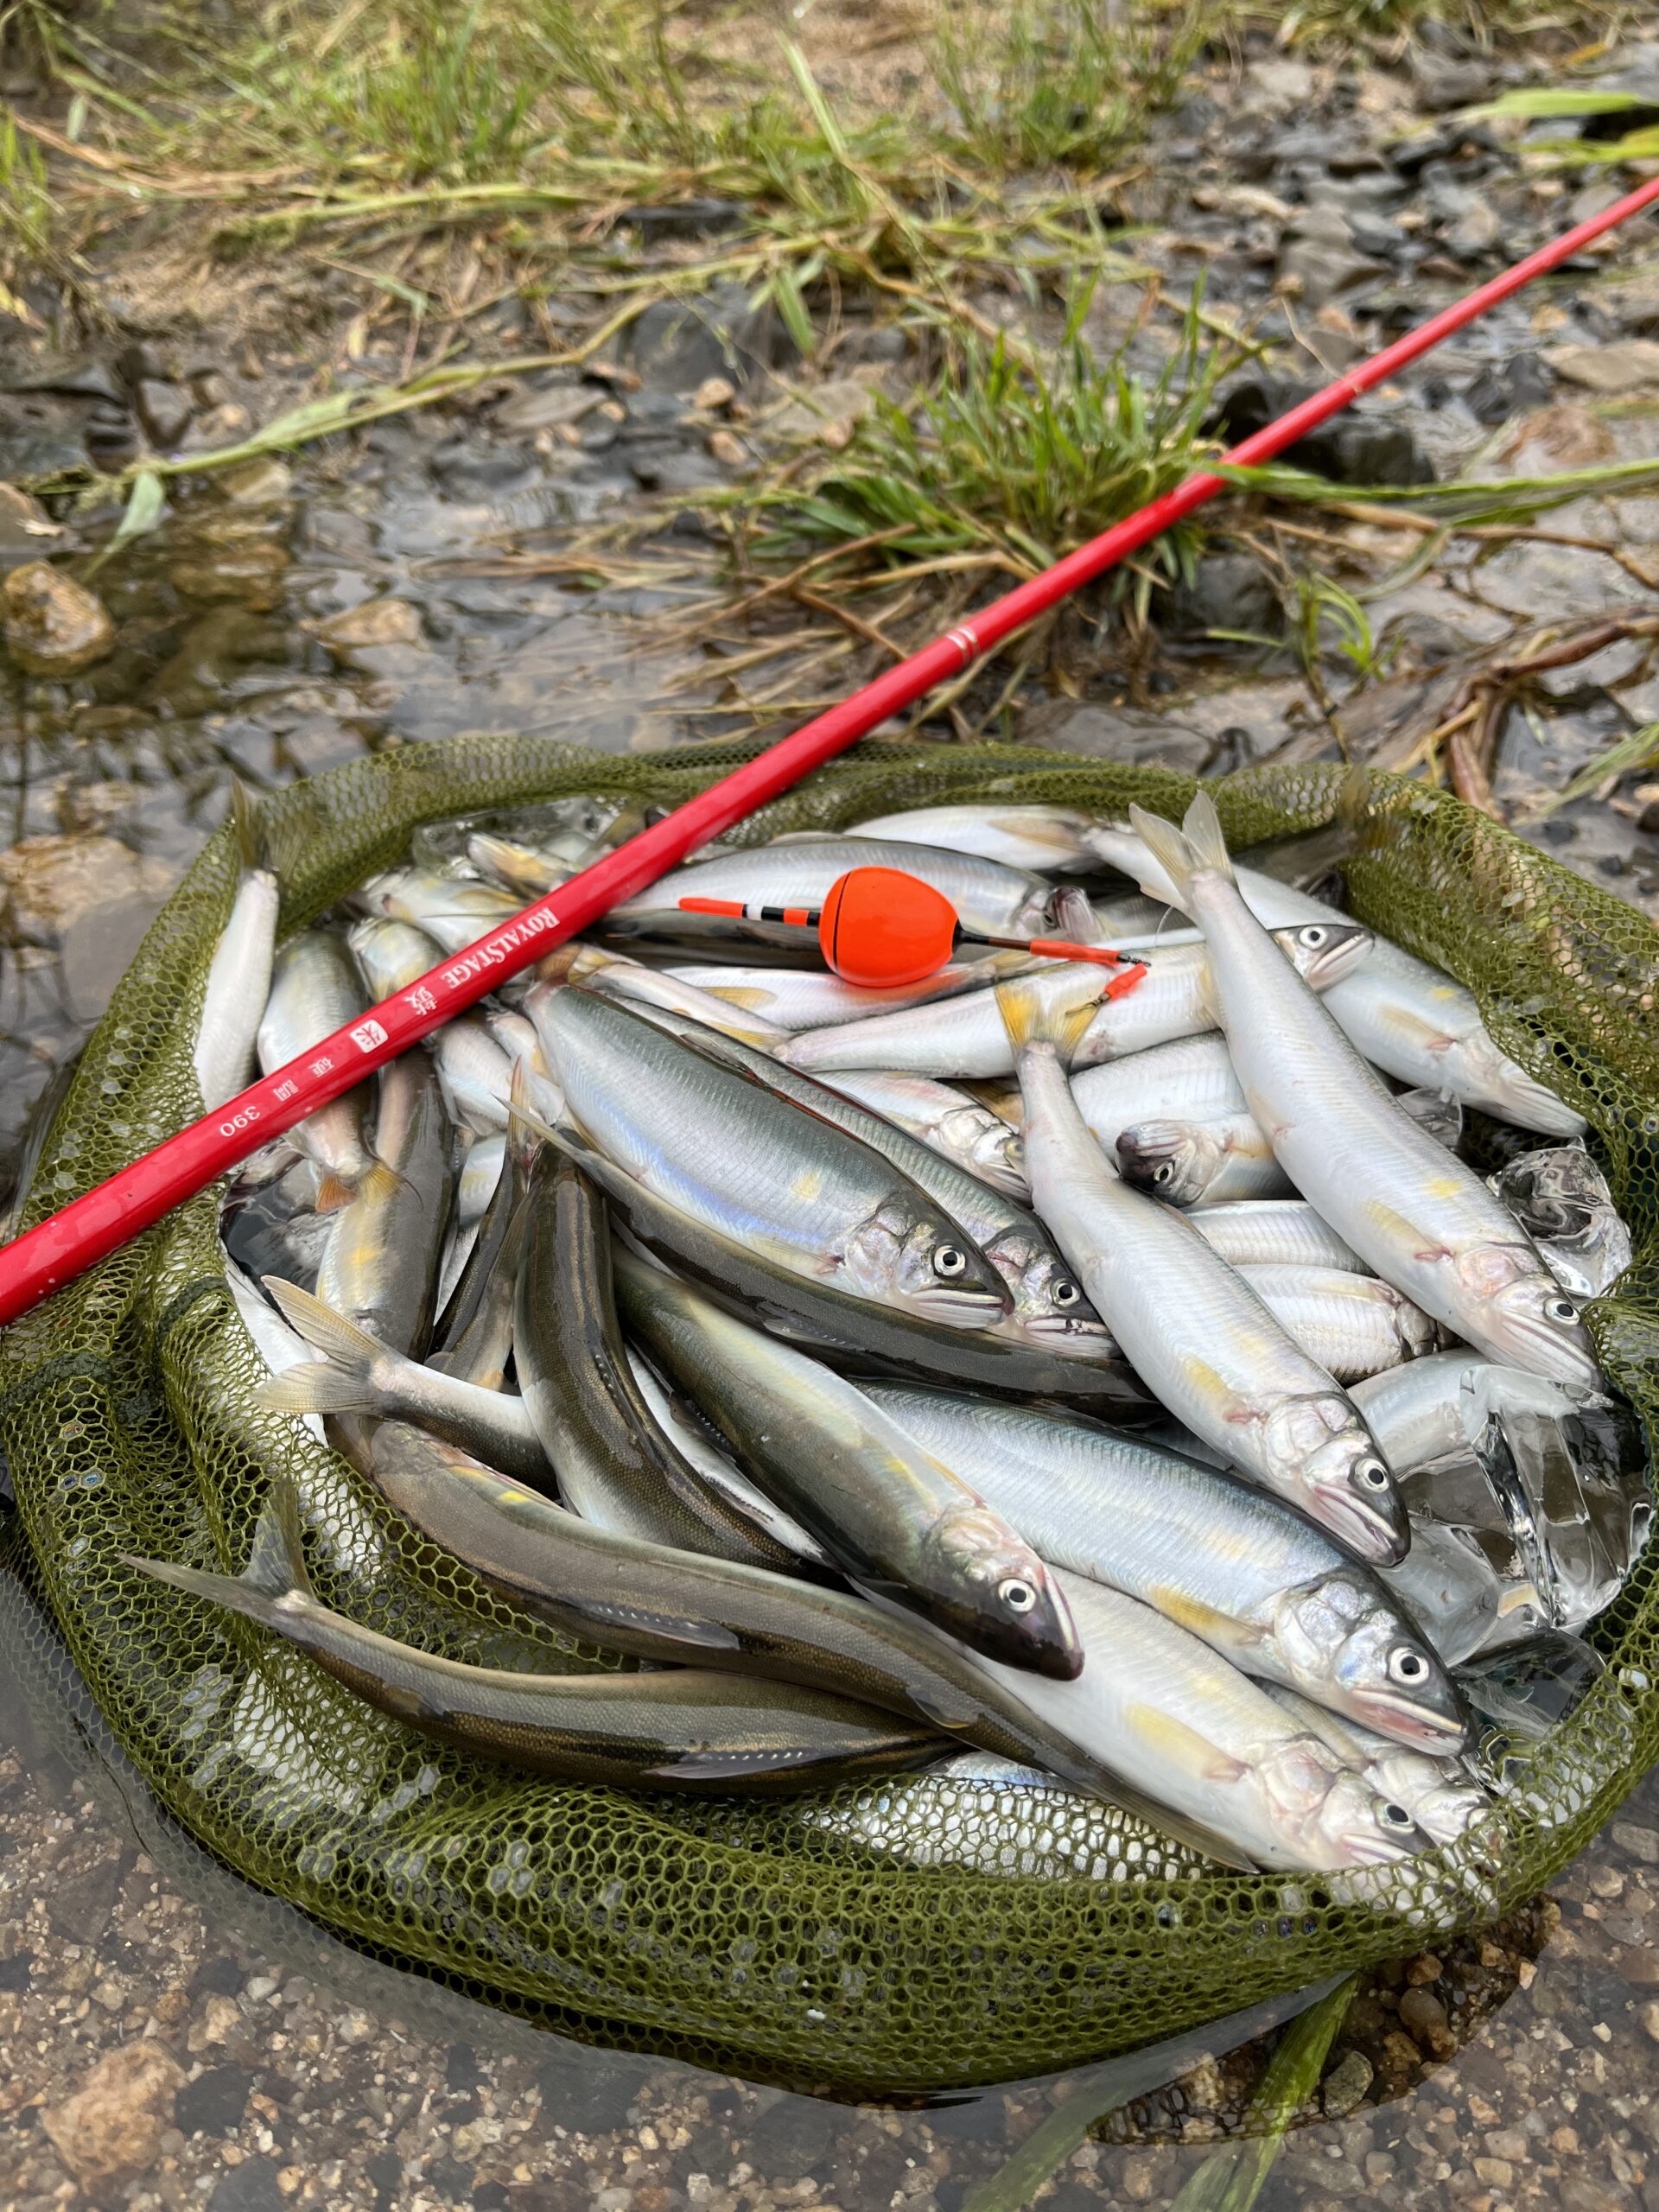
x=276, y=637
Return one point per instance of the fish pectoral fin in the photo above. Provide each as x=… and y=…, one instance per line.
x=1217, y=1391
x=1207, y=1621
x=1185, y=1747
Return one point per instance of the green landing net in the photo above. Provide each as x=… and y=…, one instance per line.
x=773, y=1940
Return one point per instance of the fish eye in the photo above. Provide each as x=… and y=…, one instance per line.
x=1063, y=1292
x=1372, y=1473
x=1315, y=935
x=1019, y=1597
x=1561, y=1309
x=1406, y=1665
x=1165, y=1174
x=949, y=1260
x=1393, y=1816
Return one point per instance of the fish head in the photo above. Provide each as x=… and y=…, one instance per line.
x=998, y=1597
x=1049, y=1305
x=1350, y=1648
x=1326, y=1814
x=1323, y=1451
x=912, y=1258
x=1526, y=1314
x=1441, y=1797
x=1322, y=953
x=1174, y=1161
x=1491, y=1080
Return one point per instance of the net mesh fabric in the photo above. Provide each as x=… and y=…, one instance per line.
x=785, y=1940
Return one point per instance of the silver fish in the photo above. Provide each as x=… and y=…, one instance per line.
x=1052, y=839
x=457, y=910
x=1561, y=1198
x=938, y=1113
x=1186, y=1729
x=990, y=900
x=1193, y=1330
x=1423, y=1221
x=1048, y=1310
x=1245, y=1572
x=1440, y=1794
x=477, y=1073
x=238, y=974
x=280, y=1347
x=357, y=1375
x=615, y=973
x=313, y=991
x=480, y=1173
x=756, y=1167
x=802, y=998
x=528, y=869
x=1408, y=1018
x=381, y=1268
x=990, y=1815
x=1353, y=1324
x=1195, y=1164
x=1274, y=1233
x=900, y=1522
x=391, y=954
x=1190, y=1079
x=964, y=1037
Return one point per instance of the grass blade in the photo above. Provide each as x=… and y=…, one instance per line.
x=1635, y=751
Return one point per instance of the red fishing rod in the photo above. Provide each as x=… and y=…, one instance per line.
x=58, y=1250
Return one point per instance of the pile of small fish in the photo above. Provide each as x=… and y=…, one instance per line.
x=1053, y=1401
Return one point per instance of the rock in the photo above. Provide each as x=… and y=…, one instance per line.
x=1475, y=230
x=1639, y=1964
x=78, y=376
x=728, y=450
x=111, y=434
x=53, y=625
x=97, y=951
x=546, y=407
x=1287, y=84
x=1628, y=364
x=1633, y=300
x=715, y=391
x=1321, y=258
x=373, y=622
x=25, y=528
x=1423, y=2016
x=1118, y=733
x=251, y=2187
x=111, y=2128
x=213, y=2103
x=469, y=465
x=679, y=344
x=1229, y=591
x=822, y=410
x=1640, y=1843
x=682, y=471
x=1443, y=84
x=1351, y=449
x=54, y=881
x=263, y=483
x=164, y=409
x=1346, y=2084
x=81, y=1905
x=1510, y=387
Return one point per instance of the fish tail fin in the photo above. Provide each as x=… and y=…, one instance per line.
x=1075, y=918
x=535, y=1107
x=276, y=1568
x=316, y=1388
x=249, y=829
x=1197, y=848
x=567, y=963
x=380, y=1182
x=339, y=1341
x=333, y=1194
x=1034, y=1012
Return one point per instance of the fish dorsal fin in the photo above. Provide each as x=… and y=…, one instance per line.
x=1184, y=1747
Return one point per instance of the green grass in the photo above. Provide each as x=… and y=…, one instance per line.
x=28, y=212
x=1007, y=463
x=1063, y=81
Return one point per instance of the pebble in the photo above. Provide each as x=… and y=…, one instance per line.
x=111, y=2127
x=1640, y=1843
x=1651, y=2022
x=53, y=625
x=1628, y=364
x=373, y=622
x=1346, y=2084
x=263, y=483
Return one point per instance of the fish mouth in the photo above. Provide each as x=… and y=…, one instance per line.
x=1379, y=1532
x=1403, y=1722
x=1061, y=1332
x=1367, y=1848
x=960, y=1309
x=1521, y=1342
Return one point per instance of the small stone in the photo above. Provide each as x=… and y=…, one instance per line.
x=252, y=2185
x=263, y=483
x=164, y=409
x=728, y=449
x=1475, y=230
x=1628, y=364
x=111, y=2128
x=1423, y=2015
x=220, y=2019
x=1425, y=1968
x=213, y=2103
x=53, y=625
x=1639, y=1964
x=1346, y=2084
x=373, y=622
x=1140, y=2179
x=715, y=391
x=1640, y=1843
x=25, y=526
x=1497, y=2173
x=1651, y=2022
